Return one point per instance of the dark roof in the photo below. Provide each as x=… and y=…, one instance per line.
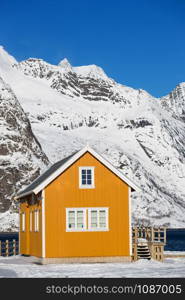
x=45, y=175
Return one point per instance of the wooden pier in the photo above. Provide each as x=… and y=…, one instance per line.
x=148, y=242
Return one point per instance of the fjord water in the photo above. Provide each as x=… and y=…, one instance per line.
x=175, y=240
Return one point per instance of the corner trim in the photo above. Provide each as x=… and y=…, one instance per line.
x=19, y=228
x=130, y=220
x=43, y=226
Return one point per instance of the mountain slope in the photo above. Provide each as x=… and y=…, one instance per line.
x=70, y=106
x=21, y=156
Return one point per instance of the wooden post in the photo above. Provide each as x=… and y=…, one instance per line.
x=6, y=247
x=152, y=234
x=164, y=235
x=133, y=234
x=160, y=234
x=149, y=233
x=136, y=234
x=14, y=247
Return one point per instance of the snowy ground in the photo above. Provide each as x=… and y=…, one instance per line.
x=22, y=267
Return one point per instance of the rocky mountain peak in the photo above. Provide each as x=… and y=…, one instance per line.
x=64, y=64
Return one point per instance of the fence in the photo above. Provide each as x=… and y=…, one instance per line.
x=9, y=247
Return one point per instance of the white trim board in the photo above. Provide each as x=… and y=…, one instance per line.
x=130, y=219
x=43, y=225
x=74, y=158
x=19, y=229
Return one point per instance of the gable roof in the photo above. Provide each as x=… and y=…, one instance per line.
x=44, y=176
x=56, y=169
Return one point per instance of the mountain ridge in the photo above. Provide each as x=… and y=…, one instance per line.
x=134, y=130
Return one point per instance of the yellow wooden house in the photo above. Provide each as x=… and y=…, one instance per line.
x=79, y=210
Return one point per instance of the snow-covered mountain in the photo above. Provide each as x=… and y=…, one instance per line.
x=142, y=135
x=174, y=102
x=21, y=155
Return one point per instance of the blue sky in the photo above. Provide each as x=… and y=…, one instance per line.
x=139, y=43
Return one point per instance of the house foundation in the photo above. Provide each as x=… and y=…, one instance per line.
x=96, y=259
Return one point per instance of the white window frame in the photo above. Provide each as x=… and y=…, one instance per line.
x=98, y=228
x=87, y=186
x=23, y=222
x=76, y=209
x=36, y=220
x=31, y=221
x=87, y=214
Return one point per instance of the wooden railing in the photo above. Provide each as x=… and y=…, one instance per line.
x=151, y=234
x=155, y=238
x=9, y=247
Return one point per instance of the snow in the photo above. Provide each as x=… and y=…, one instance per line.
x=91, y=71
x=178, y=253
x=6, y=59
x=8, y=220
x=142, y=241
x=23, y=267
x=64, y=64
x=147, y=154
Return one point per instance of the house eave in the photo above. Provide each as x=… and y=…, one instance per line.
x=23, y=195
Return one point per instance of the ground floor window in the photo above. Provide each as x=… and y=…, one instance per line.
x=87, y=219
x=31, y=218
x=98, y=218
x=22, y=221
x=75, y=219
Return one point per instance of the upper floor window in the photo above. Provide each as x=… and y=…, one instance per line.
x=86, y=177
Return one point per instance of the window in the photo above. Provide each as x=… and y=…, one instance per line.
x=76, y=219
x=31, y=221
x=98, y=218
x=23, y=221
x=36, y=219
x=86, y=177
x=87, y=219
x=71, y=219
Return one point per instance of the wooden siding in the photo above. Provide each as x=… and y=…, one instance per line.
x=64, y=192
x=31, y=241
